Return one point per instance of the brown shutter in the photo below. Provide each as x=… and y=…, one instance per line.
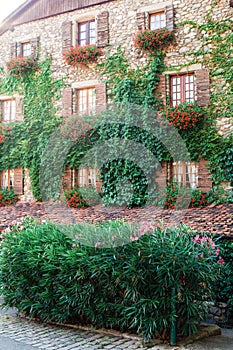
x=67, y=178
x=231, y=3
x=169, y=17
x=13, y=50
x=1, y=111
x=204, y=176
x=19, y=108
x=101, y=99
x=102, y=29
x=67, y=96
x=66, y=35
x=161, y=88
x=141, y=20
x=18, y=181
x=35, y=46
x=203, y=87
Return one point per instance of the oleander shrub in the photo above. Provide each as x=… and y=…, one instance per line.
x=7, y=197
x=47, y=274
x=223, y=287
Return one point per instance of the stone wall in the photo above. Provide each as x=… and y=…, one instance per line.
x=122, y=27
x=28, y=195
x=123, y=24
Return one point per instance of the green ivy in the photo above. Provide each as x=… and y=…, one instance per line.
x=24, y=143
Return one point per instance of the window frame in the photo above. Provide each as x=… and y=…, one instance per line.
x=88, y=38
x=185, y=174
x=26, y=46
x=12, y=113
x=84, y=177
x=156, y=14
x=9, y=182
x=183, y=91
x=91, y=105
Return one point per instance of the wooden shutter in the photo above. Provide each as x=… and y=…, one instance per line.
x=231, y=3
x=1, y=111
x=102, y=22
x=101, y=99
x=161, y=88
x=19, y=108
x=203, y=87
x=67, y=99
x=35, y=47
x=18, y=181
x=204, y=176
x=13, y=50
x=66, y=35
x=141, y=20
x=67, y=178
x=169, y=17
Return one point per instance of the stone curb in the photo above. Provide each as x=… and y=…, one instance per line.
x=206, y=330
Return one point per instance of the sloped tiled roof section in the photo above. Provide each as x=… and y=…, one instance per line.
x=32, y=10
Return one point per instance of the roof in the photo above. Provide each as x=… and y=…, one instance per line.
x=32, y=10
x=214, y=219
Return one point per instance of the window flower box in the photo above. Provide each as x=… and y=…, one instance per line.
x=20, y=66
x=82, y=55
x=184, y=116
x=152, y=40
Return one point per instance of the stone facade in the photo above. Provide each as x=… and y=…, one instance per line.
x=117, y=21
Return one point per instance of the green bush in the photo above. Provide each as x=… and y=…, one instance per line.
x=223, y=288
x=7, y=197
x=82, y=197
x=219, y=195
x=175, y=197
x=46, y=274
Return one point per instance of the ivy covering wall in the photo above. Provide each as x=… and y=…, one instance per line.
x=22, y=143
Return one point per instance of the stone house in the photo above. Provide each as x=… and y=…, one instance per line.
x=52, y=26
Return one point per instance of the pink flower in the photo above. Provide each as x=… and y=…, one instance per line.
x=217, y=251
x=98, y=244
x=221, y=261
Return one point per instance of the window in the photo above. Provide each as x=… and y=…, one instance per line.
x=86, y=33
x=26, y=49
x=8, y=110
x=7, y=179
x=182, y=88
x=87, y=177
x=185, y=174
x=157, y=20
x=85, y=101
x=84, y=177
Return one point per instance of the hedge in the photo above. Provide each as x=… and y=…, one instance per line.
x=47, y=274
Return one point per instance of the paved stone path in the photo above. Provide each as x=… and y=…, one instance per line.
x=24, y=334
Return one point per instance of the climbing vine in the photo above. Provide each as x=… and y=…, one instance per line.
x=23, y=142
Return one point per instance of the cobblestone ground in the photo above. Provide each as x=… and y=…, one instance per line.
x=38, y=336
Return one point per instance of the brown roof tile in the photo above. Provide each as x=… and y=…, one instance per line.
x=216, y=219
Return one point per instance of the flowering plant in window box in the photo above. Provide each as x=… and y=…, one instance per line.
x=81, y=55
x=20, y=66
x=153, y=39
x=184, y=116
